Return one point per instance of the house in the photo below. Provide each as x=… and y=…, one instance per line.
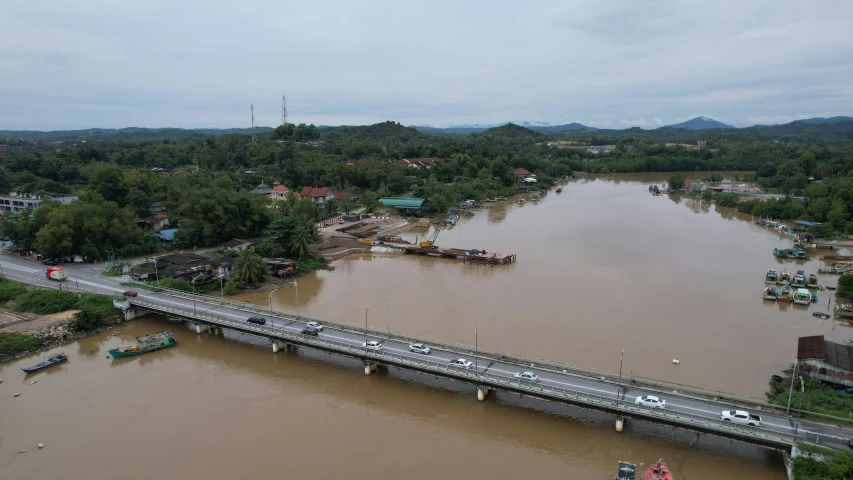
x=238, y=245
x=156, y=206
x=224, y=266
x=184, y=266
x=16, y=202
x=521, y=172
x=317, y=195
x=740, y=190
x=824, y=360
x=261, y=189
x=279, y=192
x=155, y=222
x=166, y=236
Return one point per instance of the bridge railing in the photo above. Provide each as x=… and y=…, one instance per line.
x=685, y=391
x=494, y=380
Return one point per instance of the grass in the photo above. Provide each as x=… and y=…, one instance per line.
x=14, y=343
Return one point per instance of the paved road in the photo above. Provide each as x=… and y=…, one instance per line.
x=88, y=278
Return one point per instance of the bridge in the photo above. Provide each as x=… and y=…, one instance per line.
x=694, y=409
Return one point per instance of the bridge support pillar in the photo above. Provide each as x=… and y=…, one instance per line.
x=481, y=393
x=620, y=423
x=274, y=347
x=367, y=369
x=198, y=328
x=373, y=367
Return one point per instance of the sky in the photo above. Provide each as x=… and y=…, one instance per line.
x=607, y=64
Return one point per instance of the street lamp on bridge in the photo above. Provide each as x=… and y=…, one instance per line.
x=802, y=392
x=621, y=356
x=365, y=327
x=387, y=318
x=477, y=350
x=269, y=300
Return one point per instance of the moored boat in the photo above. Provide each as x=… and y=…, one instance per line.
x=771, y=276
x=627, y=471
x=770, y=293
x=820, y=315
x=59, y=358
x=799, y=280
x=780, y=253
x=785, y=294
x=560, y=190
x=146, y=344
x=784, y=278
x=845, y=311
x=522, y=201
x=802, y=297
x=812, y=281
x=658, y=471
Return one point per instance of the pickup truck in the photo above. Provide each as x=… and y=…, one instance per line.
x=742, y=417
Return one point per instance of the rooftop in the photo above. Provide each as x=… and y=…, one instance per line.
x=402, y=202
x=166, y=234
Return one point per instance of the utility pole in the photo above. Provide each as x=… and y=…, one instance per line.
x=252, y=108
x=365, y=328
x=498, y=349
x=387, y=318
x=791, y=391
x=633, y=352
x=621, y=356
x=800, y=408
x=477, y=350
x=283, y=110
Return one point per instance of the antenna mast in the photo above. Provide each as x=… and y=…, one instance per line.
x=252, y=108
x=283, y=110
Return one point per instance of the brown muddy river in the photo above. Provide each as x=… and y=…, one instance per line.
x=597, y=264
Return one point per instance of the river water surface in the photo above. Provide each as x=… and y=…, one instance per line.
x=597, y=264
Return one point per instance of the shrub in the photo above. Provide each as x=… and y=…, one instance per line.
x=845, y=285
x=13, y=343
x=10, y=290
x=86, y=319
x=176, y=284
x=44, y=302
x=230, y=287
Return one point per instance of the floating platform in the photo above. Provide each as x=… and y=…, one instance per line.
x=468, y=256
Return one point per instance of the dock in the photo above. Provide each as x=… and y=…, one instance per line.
x=467, y=256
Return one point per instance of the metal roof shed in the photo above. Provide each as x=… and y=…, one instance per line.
x=415, y=206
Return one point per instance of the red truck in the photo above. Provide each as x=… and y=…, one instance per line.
x=56, y=273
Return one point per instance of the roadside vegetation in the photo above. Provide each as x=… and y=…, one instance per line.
x=838, y=467
x=15, y=343
x=818, y=397
x=845, y=286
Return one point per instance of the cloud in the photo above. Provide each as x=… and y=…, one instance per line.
x=113, y=64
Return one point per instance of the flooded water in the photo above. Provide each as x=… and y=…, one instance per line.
x=597, y=264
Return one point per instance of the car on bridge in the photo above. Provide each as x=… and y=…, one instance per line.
x=419, y=348
x=372, y=345
x=309, y=330
x=461, y=363
x=529, y=376
x=257, y=320
x=315, y=325
x=650, y=401
x=742, y=417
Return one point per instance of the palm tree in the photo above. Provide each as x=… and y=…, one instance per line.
x=250, y=267
x=303, y=236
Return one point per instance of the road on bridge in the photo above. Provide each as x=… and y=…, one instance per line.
x=87, y=278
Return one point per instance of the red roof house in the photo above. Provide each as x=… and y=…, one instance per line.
x=318, y=195
x=520, y=172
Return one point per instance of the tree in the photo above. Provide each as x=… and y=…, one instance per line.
x=305, y=208
x=56, y=238
x=230, y=287
x=303, y=236
x=332, y=207
x=250, y=267
x=676, y=181
x=845, y=286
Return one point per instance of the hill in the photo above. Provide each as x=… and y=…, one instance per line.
x=569, y=127
x=128, y=133
x=700, y=123
x=512, y=130
x=379, y=132
x=826, y=120
x=535, y=126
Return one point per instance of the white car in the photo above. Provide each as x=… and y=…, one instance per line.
x=315, y=325
x=372, y=345
x=650, y=401
x=742, y=417
x=529, y=376
x=419, y=348
x=461, y=363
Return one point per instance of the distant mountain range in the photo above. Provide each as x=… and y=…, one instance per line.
x=700, y=123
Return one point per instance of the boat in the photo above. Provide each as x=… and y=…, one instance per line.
x=784, y=278
x=658, y=471
x=560, y=190
x=812, y=281
x=522, y=201
x=799, y=280
x=627, y=471
x=47, y=363
x=802, y=297
x=770, y=293
x=845, y=311
x=785, y=294
x=146, y=344
x=820, y=315
x=780, y=253
x=771, y=276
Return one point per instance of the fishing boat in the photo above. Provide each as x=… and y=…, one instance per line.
x=799, y=280
x=560, y=190
x=146, y=344
x=522, y=201
x=658, y=471
x=784, y=278
x=812, y=281
x=845, y=311
x=802, y=297
x=770, y=293
x=627, y=471
x=47, y=363
x=771, y=276
x=820, y=315
x=780, y=253
x=785, y=294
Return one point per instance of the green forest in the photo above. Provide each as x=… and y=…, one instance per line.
x=204, y=178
